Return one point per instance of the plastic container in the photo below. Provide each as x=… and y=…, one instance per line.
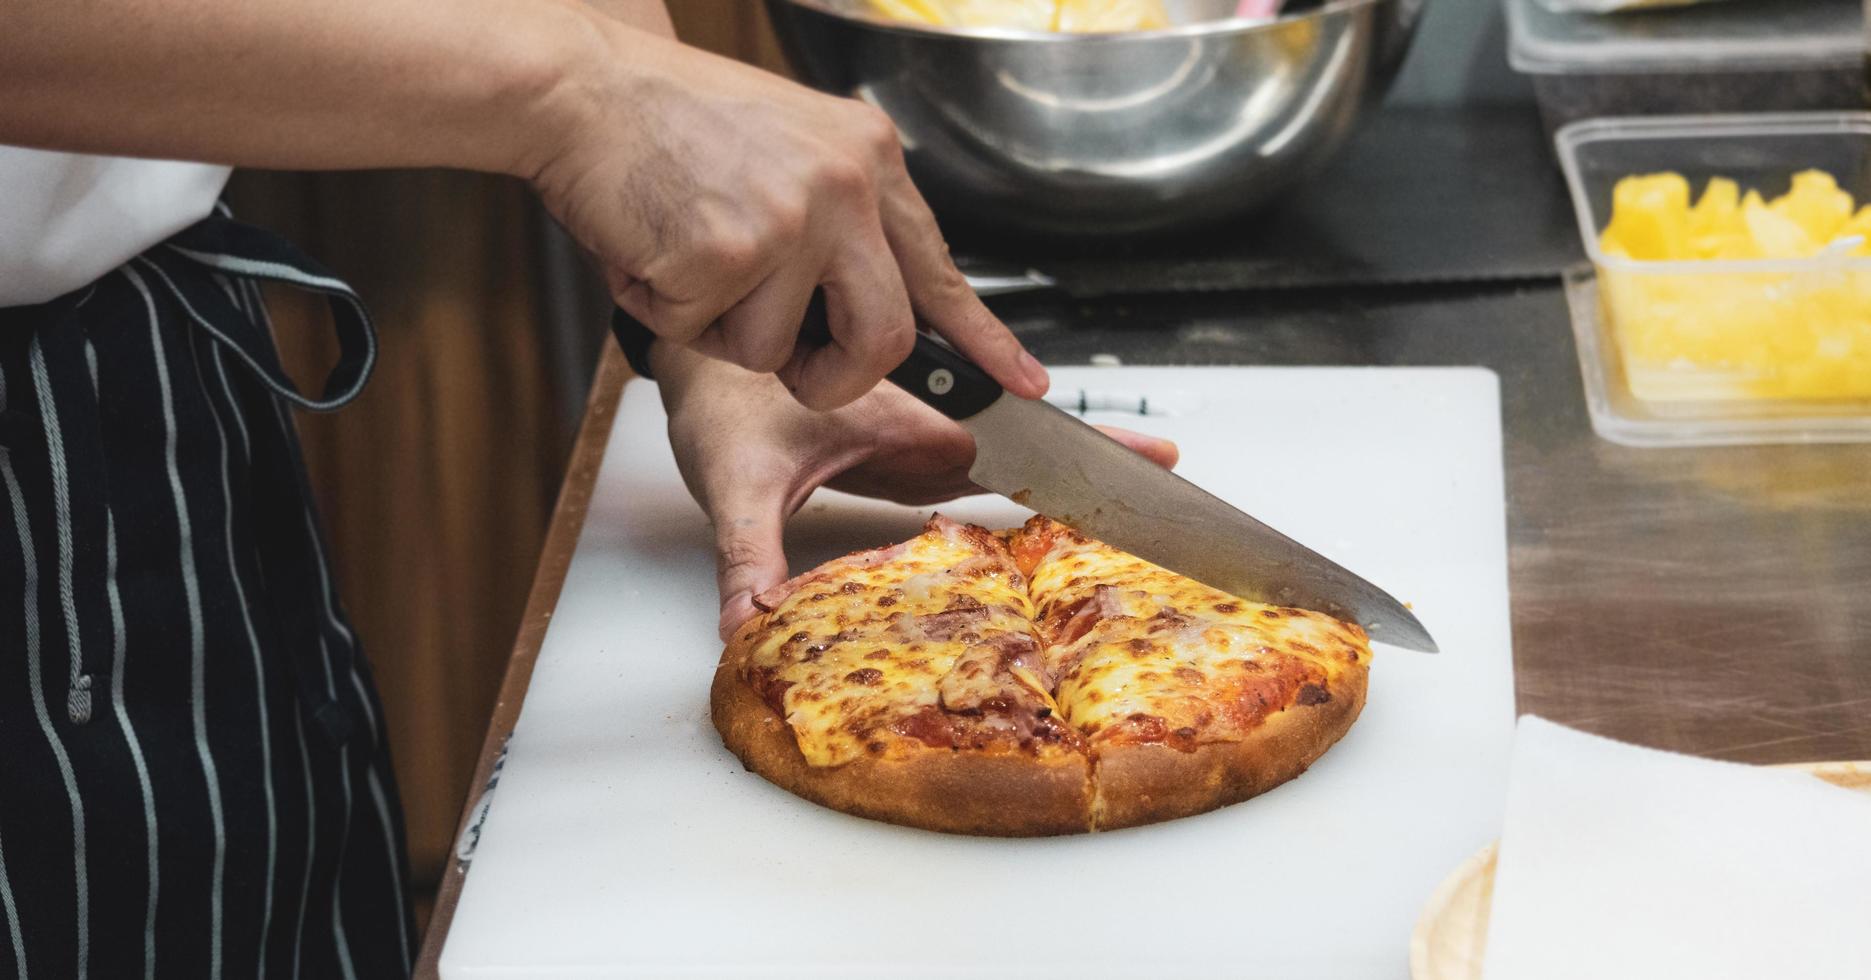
x=1702, y=352
x=1766, y=56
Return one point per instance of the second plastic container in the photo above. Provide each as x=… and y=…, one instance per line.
x=1727, y=337
x=1768, y=56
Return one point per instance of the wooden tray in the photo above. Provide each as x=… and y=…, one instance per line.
x=1452, y=933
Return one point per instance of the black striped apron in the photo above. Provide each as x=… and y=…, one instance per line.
x=194, y=780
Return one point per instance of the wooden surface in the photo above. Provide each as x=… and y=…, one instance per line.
x=561, y=539
x=736, y=28
x=435, y=486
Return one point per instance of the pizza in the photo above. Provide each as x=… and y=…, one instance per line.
x=1028, y=682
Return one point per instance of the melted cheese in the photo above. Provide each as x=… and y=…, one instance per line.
x=943, y=637
x=1165, y=657
x=867, y=645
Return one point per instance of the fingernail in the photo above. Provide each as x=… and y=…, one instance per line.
x=1035, y=371
x=731, y=614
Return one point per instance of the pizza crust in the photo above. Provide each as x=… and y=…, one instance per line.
x=1152, y=782
x=881, y=625
x=1012, y=794
x=1020, y=795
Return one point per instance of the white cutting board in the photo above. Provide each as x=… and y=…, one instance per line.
x=624, y=841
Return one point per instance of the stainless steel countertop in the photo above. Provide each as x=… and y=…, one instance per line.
x=1714, y=601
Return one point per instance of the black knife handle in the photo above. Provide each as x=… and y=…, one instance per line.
x=944, y=379
x=934, y=372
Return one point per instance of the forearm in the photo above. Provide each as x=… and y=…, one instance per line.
x=476, y=84
x=716, y=198
x=644, y=15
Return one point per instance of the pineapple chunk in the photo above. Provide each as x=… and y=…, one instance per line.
x=1816, y=204
x=1714, y=226
x=1716, y=211
x=1776, y=234
x=1650, y=217
x=1797, y=332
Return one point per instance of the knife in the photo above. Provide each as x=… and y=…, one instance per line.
x=1042, y=458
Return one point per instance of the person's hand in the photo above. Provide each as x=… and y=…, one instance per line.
x=717, y=198
x=751, y=457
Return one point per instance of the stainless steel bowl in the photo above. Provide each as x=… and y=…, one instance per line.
x=1104, y=134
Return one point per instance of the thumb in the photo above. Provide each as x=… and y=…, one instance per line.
x=749, y=558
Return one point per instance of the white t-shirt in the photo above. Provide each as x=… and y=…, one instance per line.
x=67, y=219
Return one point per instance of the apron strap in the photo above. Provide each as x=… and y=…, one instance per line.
x=242, y=251
x=188, y=265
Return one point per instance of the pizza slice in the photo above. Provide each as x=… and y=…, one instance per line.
x=907, y=683
x=1188, y=698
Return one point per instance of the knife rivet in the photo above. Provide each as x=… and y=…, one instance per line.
x=940, y=381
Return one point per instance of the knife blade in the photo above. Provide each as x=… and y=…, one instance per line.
x=1042, y=458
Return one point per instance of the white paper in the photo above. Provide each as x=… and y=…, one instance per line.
x=1625, y=863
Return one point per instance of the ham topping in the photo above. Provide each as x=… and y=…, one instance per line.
x=769, y=599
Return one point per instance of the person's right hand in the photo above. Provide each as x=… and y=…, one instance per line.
x=717, y=198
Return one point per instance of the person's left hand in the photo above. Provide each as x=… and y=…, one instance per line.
x=751, y=455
